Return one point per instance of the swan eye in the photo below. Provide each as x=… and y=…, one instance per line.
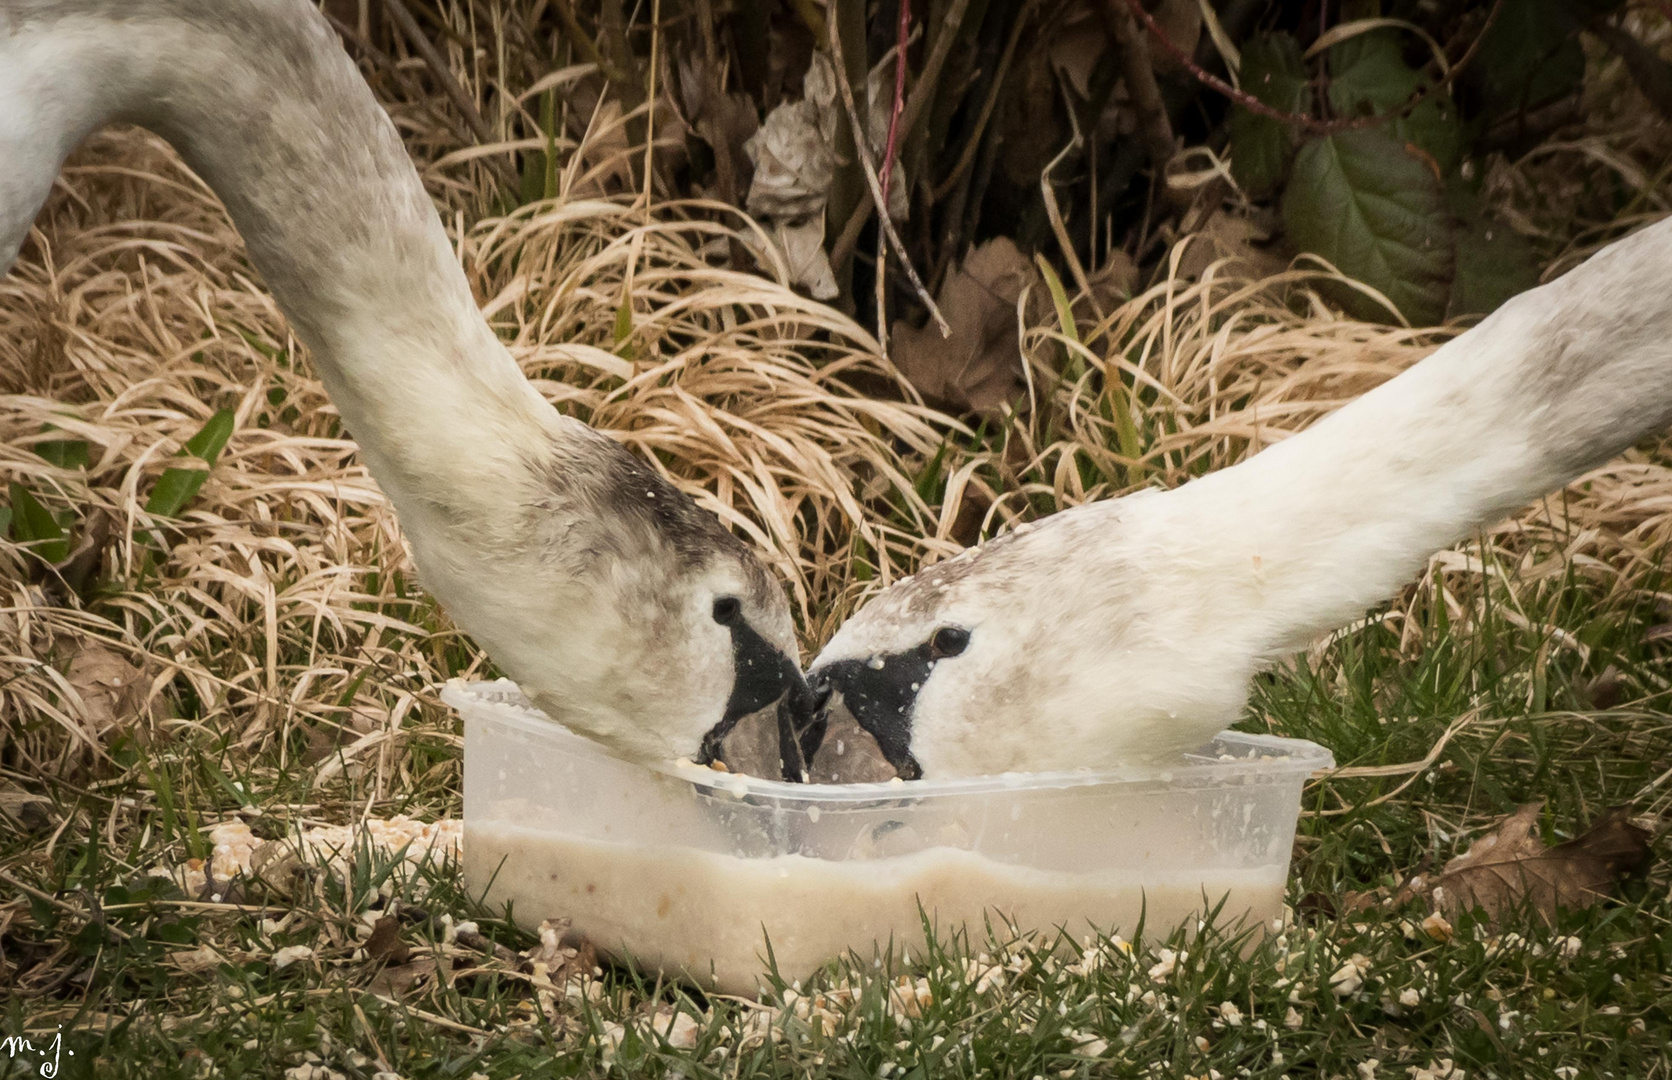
x=726, y=610
x=948, y=641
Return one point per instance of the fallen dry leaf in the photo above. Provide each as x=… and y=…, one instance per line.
x=385, y=944
x=1231, y=237
x=399, y=979
x=1511, y=865
x=725, y=121
x=979, y=368
x=793, y=150
x=112, y=691
x=1181, y=21
x=1077, y=47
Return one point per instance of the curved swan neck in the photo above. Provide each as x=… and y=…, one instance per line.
x=1310, y=533
x=261, y=101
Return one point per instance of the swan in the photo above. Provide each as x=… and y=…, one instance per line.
x=1128, y=630
x=622, y=609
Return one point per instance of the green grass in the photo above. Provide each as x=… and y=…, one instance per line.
x=1592, y=993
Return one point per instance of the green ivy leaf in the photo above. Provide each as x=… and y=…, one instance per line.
x=1530, y=56
x=33, y=524
x=1376, y=211
x=1494, y=262
x=1369, y=75
x=1261, y=147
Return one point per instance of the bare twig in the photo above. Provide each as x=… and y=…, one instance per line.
x=408, y=86
x=916, y=105
x=973, y=144
x=68, y=909
x=438, y=67
x=1410, y=770
x=875, y=185
x=450, y=86
x=1153, y=126
x=586, y=46
x=1054, y=213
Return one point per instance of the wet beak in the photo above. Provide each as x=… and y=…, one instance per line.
x=764, y=678
x=871, y=703
x=801, y=724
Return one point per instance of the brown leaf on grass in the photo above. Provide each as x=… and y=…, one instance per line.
x=398, y=980
x=979, y=368
x=112, y=691
x=1181, y=21
x=385, y=944
x=725, y=121
x=1234, y=238
x=1511, y=865
x=792, y=151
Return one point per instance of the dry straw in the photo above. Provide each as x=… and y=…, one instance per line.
x=284, y=608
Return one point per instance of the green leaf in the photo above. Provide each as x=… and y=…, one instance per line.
x=1369, y=74
x=175, y=488
x=64, y=453
x=1530, y=56
x=211, y=438
x=1494, y=262
x=1261, y=147
x=178, y=487
x=1376, y=211
x=1434, y=127
x=33, y=524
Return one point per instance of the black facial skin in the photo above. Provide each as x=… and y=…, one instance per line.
x=881, y=698
x=764, y=675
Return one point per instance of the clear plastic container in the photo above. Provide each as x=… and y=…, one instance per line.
x=691, y=871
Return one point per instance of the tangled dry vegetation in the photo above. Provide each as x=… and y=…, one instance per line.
x=271, y=638
x=280, y=605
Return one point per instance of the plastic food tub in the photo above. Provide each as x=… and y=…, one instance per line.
x=691, y=871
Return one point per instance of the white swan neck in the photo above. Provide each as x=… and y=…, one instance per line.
x=1317, y=529
x=262, y=102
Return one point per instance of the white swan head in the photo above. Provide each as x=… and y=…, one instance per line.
x=1058, y=646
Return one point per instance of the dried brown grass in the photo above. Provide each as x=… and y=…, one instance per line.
x=284, y=606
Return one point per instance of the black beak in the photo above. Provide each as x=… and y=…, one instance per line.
x=878, y=695
x=764, y=676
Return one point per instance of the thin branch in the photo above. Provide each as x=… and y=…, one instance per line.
x=1153, y=125
x=899, y=97
x=444, y=77
x=916, y=105
x=588, y=48
x=69, y=909
x=973, y=145
x=846, y=88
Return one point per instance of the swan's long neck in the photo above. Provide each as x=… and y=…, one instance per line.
x=261, y=101
x=1310, y=533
